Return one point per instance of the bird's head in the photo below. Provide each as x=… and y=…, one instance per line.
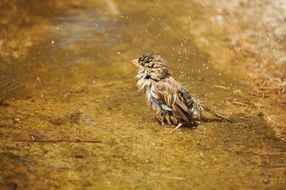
x=151, y=65
x=150, y=61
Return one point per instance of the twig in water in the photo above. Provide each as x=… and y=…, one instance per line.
x=220, y=86
x=59, y=141
x=240, y=103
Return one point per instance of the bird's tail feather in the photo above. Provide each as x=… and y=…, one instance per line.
x=207, y=109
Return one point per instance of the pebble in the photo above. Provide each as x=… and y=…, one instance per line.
x=16, y=120
x=237, y=91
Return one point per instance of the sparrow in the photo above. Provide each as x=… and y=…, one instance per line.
x=171, y=101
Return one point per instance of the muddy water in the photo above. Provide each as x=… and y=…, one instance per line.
x=71, y=117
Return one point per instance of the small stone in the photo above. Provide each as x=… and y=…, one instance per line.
x=266, y=181
x=16, y=120
x=217, y=19
x=38, y=79
x=79, y=156
x=237, y=91
x=67, y=94
x=109, y=107
x=57, y=121
x=74, y=117
x=260, y=114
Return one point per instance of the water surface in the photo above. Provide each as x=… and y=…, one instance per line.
x=71, y=116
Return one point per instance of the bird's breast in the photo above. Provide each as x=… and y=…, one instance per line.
x=144, y=84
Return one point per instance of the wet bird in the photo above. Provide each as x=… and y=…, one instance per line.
x=171, y=101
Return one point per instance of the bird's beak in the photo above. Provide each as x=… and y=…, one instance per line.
x=135, y=62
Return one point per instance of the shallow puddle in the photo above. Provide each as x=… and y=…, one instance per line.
x=71, y=116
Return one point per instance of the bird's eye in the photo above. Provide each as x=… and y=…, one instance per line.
x=150, y=64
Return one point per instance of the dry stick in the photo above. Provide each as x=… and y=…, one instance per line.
x=240, y=103
x=60, y=141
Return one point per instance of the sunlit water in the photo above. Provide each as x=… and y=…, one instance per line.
x=79, y=86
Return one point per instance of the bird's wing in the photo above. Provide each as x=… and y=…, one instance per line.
x=173, y=95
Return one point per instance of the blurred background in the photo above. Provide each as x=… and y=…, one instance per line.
x=71, y=117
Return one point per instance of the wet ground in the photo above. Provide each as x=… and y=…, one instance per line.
x=71, y=117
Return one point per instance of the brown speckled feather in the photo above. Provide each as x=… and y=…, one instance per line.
x=170, y=91
x=167, y=97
